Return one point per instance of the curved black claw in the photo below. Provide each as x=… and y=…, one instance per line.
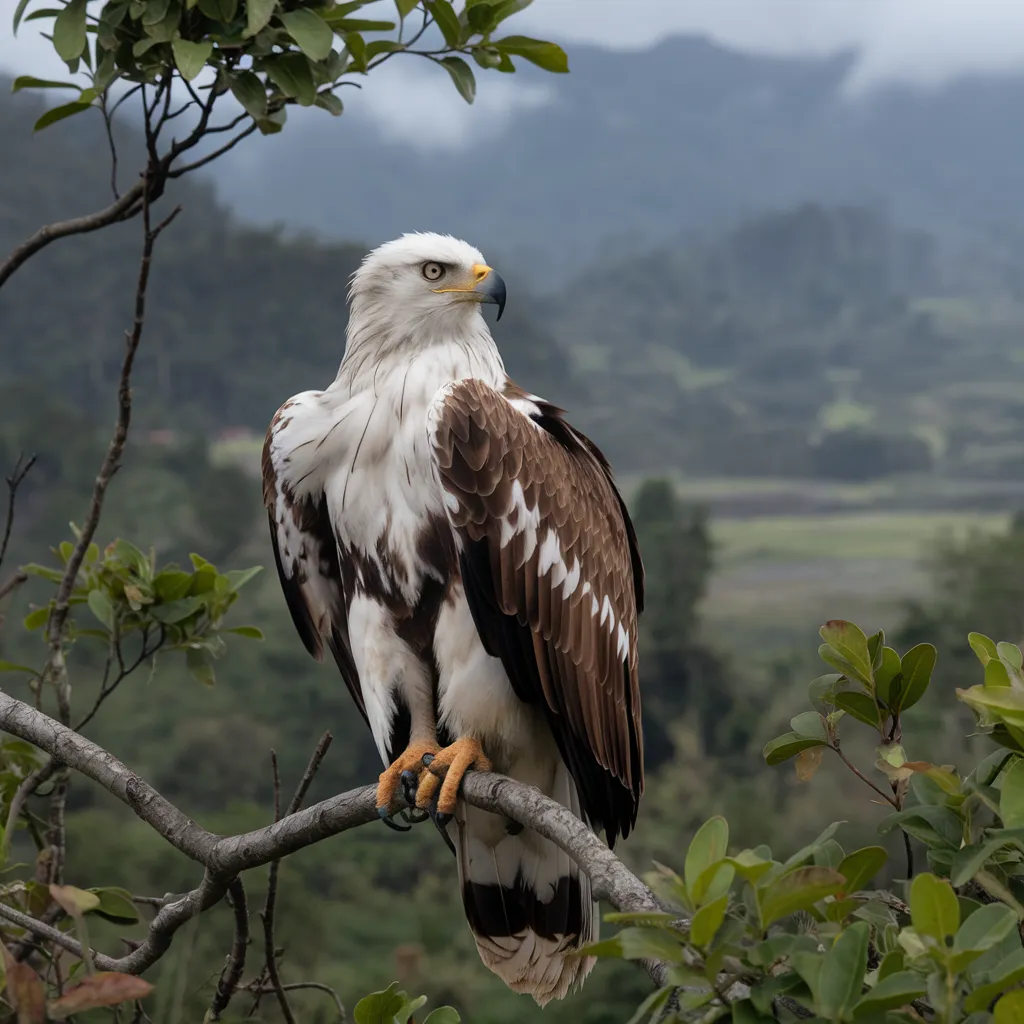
x=385, y=816
x=409, y=780
x=440, y=821
x=413, y=815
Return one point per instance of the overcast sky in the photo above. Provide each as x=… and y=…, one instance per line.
x=921, y=42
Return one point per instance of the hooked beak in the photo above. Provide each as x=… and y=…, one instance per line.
x=491, y=288
x=485, y=285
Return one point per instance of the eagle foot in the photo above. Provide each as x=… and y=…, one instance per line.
x=439, y=784
x=409, y=762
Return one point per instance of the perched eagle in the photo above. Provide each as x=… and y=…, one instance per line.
x=464, y=554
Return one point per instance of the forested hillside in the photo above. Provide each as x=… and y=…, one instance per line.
x=816, y=341
x=635, y=145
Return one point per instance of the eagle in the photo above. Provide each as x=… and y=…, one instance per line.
x=467, y=559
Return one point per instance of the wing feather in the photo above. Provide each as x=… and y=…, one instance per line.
x=554, y=580
x=306, y=556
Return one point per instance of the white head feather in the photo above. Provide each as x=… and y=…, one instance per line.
x=395, y=304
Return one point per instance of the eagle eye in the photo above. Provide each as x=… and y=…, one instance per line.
x=433, y=271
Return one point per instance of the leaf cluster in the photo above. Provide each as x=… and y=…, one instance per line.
x=269, y=54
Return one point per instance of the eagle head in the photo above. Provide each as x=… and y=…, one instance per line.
x=422, y=278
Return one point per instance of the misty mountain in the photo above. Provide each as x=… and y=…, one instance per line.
x=636, y=146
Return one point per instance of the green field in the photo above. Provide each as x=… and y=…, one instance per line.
x=783, y=575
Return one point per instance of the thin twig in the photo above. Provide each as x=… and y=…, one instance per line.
x=863, y=778
x=14, y=480
x=269, y=907
x=108, y=124
x=269, y=944
x=210, y=157
x=232, y=973
x=296, y=985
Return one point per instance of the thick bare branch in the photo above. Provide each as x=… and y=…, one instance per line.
x=226, y=857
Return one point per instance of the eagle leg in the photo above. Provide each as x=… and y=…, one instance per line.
x=411, y=759
x=445, y=770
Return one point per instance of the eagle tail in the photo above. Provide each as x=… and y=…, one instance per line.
x=527, y=902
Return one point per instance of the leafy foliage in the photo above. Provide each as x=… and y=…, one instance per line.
x=266, y=54
x=748, y=935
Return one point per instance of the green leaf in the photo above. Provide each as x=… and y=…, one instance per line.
x=69, y=31
x=329, y=102
x=885, y=675
x=842, y=973
x=708, y=846
x=410, y=1007
x=859, y=867
x=379, y=1007
x=10, y=666
x=247, y=88
x=707, y=921
x=749, y=865
x=917, y=667
x=447, y=20
x=1010, y=653
x=223, y=11
x=311, y=33
x=200, y=665
x=1011, y=797
x=934, y=909
x=822, y=689
x=190, y=58
x=18, y=12
x=548, y=56
x=969, y=860
x=55, y=114
x=985, y=927
x=115, y=905
x=462, y=75
x=894, y=991
x=861, y=706
x=273, y=122
x=173, y=612
x=30, y=82
x=405, y=8
x=291, y=73
x=258, y=15
x=1009, y=1009
x=443, y=1015
x=798, y=889
x=809, y=724
x=1008, y=972
x=252, y=632
x=37, y=618
x=805, y=853
x=935, y=826
x=788, y=745
x=647, y=1010
x=100, y=606
x=237, y=578
x=850, y=643
x=984, y=648
x=357, y=24
x=638, y=944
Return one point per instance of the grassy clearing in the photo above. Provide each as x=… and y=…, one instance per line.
x=779, y=577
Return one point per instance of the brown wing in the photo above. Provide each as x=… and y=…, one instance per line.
x=307, y=566
x=553, y=577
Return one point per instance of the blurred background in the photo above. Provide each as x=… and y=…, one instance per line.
x=769, y=254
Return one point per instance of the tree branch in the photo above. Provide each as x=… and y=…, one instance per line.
x=123, y=209
x=226, y=857
x=14, y=481
x=232, y=973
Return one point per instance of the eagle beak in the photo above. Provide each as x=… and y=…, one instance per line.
x=485, y=285
x=490, y=286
